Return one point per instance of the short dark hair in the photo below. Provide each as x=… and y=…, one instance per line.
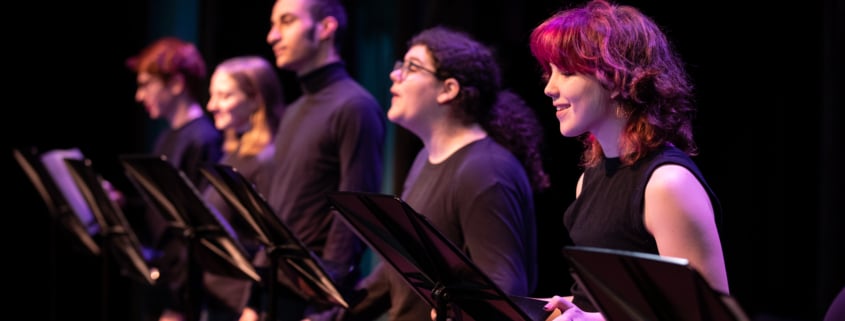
x=170, y=56
x=321, y=9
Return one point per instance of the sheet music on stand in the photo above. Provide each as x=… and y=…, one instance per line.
x=66, y=206
x=304, y=272
x=431, y=264
x=634, y=286
x=117, y=235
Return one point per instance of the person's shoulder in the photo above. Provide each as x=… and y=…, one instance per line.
x=486, y=157
x=671, y=175
x=359, y=102
x=490, y=151
x=201, y=129
x=357, y=93
x=490, y=166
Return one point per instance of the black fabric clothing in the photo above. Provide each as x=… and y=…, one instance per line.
x=225, y=297
x=188, y=148
x=481, y=199
x=609, y=211
x=330, y=139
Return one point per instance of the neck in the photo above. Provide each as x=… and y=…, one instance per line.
x=186, y=112
x=446, y=140
x=609, y=136
x=325, y=55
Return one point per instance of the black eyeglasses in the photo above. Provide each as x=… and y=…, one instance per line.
x=408, y=67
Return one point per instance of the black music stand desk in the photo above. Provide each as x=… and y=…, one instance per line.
x=634, y=286
x=211, y=242
x=431, y=264
x=63, y=211
x=117, y=235
x=304, y=272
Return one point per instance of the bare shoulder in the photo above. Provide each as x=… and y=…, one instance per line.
x=673, y=194
x=673, y=179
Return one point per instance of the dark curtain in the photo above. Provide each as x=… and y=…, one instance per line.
x=768, y=87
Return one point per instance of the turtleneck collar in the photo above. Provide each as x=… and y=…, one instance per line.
x=611, y=165
x=321, y=77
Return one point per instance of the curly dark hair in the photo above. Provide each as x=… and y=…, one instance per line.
x=503, y=114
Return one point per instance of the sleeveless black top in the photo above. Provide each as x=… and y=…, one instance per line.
x=609, y=211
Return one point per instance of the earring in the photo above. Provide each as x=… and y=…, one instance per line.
x=622, y=113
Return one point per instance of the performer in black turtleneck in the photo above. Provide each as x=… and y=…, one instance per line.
x=330, y=139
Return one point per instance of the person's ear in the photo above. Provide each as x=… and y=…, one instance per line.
x=176, y=84
x=326, y=28
x=448, y=90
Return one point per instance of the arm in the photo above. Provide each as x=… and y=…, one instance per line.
x=679, y=215
x=359, y=132
x=497, y=220
x=579, y=185
x=499, y=239
x=564, y=310
x=562, y=307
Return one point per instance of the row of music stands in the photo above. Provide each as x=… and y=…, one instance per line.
x=72, y=194
x=623, y=285
x=211, y=242
x=209, y=239
x=304, y=273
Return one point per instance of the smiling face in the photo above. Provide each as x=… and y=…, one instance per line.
x=582, y=104
x=229, y=105
x=414, y=91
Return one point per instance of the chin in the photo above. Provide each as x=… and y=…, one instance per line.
x=568, y=132
x=392, y=114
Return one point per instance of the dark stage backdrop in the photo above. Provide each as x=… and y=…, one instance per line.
x=768, y=86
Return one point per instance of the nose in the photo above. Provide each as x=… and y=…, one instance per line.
x=396, y=75
x=212, y=105
x=272, y=36
x=550, y=91
x=139, y=95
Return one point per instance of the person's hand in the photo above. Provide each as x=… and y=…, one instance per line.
x=333, y=313
x=114, y=194
x=170, y=315
x=434, y=315
x=564, y=310
x=249, y=315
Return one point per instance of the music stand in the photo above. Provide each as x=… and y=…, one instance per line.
x=68, y=217
x=116, y=232
x=304, y=271
x=57, y=203
x=116, y=235
x=431, y=264
x=211, y=242
x=636, y=286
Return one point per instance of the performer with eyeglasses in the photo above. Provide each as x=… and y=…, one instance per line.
x=475, y=176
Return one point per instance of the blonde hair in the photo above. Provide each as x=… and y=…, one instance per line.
x=258, y=80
